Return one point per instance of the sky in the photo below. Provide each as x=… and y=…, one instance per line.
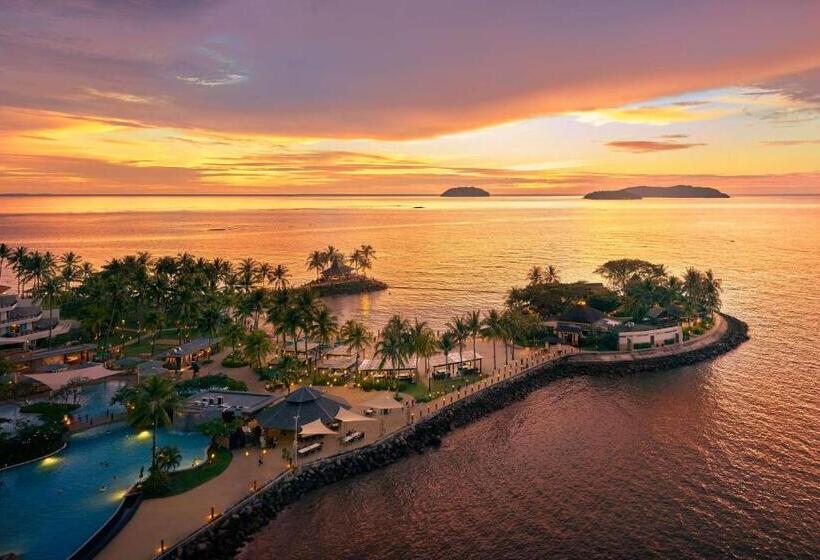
x=375, y=97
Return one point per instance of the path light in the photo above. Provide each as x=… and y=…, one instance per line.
x=162, y=545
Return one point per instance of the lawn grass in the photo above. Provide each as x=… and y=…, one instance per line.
x=187, y=479
x=438, y=387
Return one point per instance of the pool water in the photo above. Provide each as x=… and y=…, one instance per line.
x=94, y=401
x=49, y=508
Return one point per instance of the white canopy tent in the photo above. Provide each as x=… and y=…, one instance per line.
x=58, y=379
x=383, y=401
x=345, y=415
x=316, y=428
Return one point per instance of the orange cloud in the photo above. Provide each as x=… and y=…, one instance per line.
x=648, y=146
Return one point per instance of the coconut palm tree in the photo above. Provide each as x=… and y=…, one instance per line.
x=257, y=347
x=18, y=259
x=263, y=273
x=154, y=322
x=551, y=275
x=70, y=269
x=535, y=275
x=168, y=458
x=247, y=273
x=366, y=260
x=316, y=261
x=424, y=344
x=49, y=292
x=152, y=404
x=287, y=371
x=394, y=347
x=357, y=338
x=5, y=255
x=325, y=325
x=446, y=343
x=279, y=277
x=460, y=331
x=473, y=323
x=492, y=329
x=234, y=335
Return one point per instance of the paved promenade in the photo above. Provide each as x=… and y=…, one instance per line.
x=171, y=520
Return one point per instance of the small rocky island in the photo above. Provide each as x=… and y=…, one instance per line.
x=465, y=191
x=676, y=191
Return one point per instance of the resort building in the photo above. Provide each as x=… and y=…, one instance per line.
x=633, y=336
x=51, y=359
x=301, y=407
x=209, y=405
x=181, y=357
x=578, y=322
x=23, y=322
x=453, y=364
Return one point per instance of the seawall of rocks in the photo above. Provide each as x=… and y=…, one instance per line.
x=223, y=538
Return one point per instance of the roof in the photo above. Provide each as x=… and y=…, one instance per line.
x=190, y=347
x=8, y=300
x=25, y=312
x=580, y=314
x=374, y=364
x=307, y=403
x=56, y=380
x=643, y=327
x=564, y=327
x=49, y=352
x=241, y=401
x=453, y=358
x=338, y=268
x=383, y=401
x=315, y=428
x=345, y=415
x=337, y=362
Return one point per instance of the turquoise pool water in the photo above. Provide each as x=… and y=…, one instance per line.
x=51, y=507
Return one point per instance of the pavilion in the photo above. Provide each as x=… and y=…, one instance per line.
x=453, y=362
x=301, y=407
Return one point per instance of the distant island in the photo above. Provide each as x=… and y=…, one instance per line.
x=465, y=191
x=676, y=191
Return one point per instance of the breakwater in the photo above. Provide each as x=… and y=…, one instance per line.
x=225, y=536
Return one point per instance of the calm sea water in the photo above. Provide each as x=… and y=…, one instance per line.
x=717, y=460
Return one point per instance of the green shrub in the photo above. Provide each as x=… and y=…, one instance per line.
x=641, y=346
x=157, y=484
x=49, y=409
x=206, y=382
x=234, y=361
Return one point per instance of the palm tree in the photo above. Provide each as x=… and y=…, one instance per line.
x=535, y=275
x=492, y=329
x=256, y=301
x=306, y=308
x=458, y=328
x=71, y=268
x=49, y=291
x=168, y=458
x=234, y=334
x=257, y=347
x=473, y=323
x=5, y=255
x=551, y=275
x=279, y=277
x=424, y=344
x=367, y=255
x=154, y=322
x=357, y=338
x=325, y=325
x=316, y=261
x=247, y=273
x=287, y=370
x=153, y=403
x=263, y=273
x=18, y=259
x=446, y=343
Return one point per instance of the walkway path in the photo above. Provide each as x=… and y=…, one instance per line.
x=173, y=519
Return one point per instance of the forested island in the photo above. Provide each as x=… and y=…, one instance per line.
x=676, y=191
x=465, y=191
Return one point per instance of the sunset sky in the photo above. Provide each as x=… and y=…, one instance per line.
x=408, y=97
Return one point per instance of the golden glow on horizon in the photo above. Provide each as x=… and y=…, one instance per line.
x=718, y=138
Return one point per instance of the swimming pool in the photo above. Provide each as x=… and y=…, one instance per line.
x=50, y=508
x=94, y=401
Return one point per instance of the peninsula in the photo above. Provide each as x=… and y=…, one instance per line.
x=465, y=192
x=676, y=191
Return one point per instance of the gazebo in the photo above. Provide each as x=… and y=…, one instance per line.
x=300, y=408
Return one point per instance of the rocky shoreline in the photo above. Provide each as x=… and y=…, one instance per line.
x=223, y=538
